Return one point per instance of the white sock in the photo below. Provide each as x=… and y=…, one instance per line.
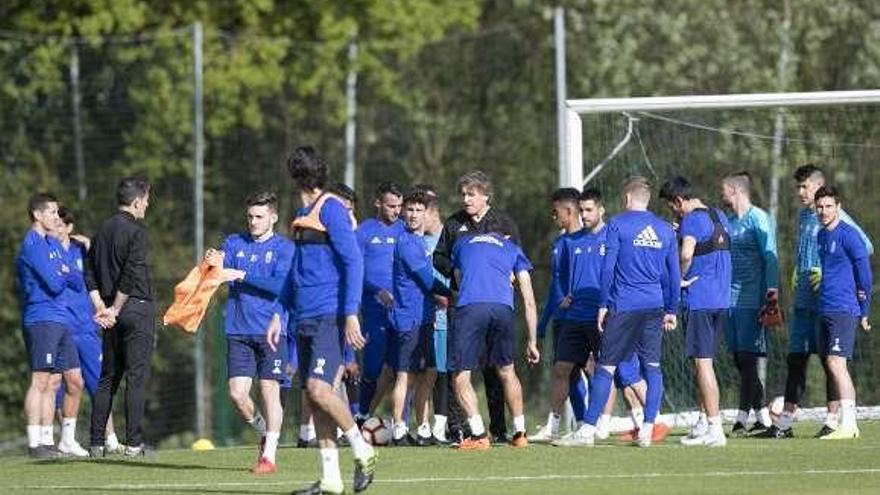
x=764, y=416
x=33, y=434
x=258, y=423
x=476, y=424
x=638, y=417
x=553, y=422
x=271, y=446
x=330, y=466
x=647, y=430
x=424, y=430
x=742, y=417
x=604, y=420
x=785, y=420
x=359, y=447
x=47, y=435
x=715, y=425
x=832, y=419
x=68, y=430
x=519, y=424
x=307, y=432
x=847, y=413
x=399, y=430
x=112, y=441
x=440, y=424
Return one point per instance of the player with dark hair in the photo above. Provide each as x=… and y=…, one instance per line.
x=567, y=380
x=804, y=326
x=43, y=278
x=324, y=285
x=754, y=285
x=475, y=217
x=639, y=292
x=255, y=264
x=705, y=263
x=411, y=340
x=844, y=303
x=376, y=238
x=121, y=289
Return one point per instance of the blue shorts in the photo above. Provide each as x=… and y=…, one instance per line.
x=838, y=334
x=292, y=360
x=250, y=355
x=89, y=349
x=803, y=332
x=319, y=348
x=376, y=327
x=638, y=331
x=628, y=372
x=51, y=347
x=574, y=341
x=440, y=349
x=743, y=332
x=481, y=334
x=703, y=331
x=412, y=350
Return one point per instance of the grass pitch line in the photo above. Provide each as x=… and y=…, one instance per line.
x=463, y=479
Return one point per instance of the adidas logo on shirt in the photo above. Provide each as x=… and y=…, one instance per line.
x=375, y=240
x=578, y=250
x=648, y=238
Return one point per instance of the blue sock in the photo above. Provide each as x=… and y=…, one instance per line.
x=577, y=394
x=600, y=387
x=654, y=394
x=367, y=391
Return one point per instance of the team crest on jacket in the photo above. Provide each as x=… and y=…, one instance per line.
x=268, y=257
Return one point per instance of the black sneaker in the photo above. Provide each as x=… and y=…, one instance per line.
x=97, y=451
x=306, y=444
x=455, y=438
x=43, y=452
x=137, y=451
x=738, y=430
x=775, y=432
x=364, y=469
x=825, y=430
x=404, y=441
x=757, y=428
x=425, y=441
x=501, y=439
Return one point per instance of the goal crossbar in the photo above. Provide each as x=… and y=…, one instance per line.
x=572, y=173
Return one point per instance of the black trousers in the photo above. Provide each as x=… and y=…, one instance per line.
x=127, y=352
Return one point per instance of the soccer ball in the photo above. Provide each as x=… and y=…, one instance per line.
x=376, y=432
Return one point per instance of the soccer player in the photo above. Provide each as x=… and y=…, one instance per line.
x=754, y=282
x=326, y=280
x=255, y=264
x=119, y=283
x=43, y=277
x=473, y=218
x=705, y=261
x=376, y=238
x=570, y=339
x=639, y=292
x=411, y=341
x=804, y=327
x=83, y=328
x=844, y=302
x=484, y=329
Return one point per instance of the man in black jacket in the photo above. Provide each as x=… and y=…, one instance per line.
x=118, y=280
x=476, y=217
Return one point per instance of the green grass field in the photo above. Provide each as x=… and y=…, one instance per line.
x=800, y=465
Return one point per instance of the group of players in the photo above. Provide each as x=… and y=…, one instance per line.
x=297, y=306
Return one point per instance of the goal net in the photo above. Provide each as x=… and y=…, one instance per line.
x=705, y=137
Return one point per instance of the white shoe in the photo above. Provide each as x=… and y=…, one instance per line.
x=698, y=429
x=603, y=428
x=544, y=435
x=709, y=439
x=582, y=437
x=72, y=448
x=439, y=434
x=646, y=433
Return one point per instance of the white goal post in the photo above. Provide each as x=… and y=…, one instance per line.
x=572, y=173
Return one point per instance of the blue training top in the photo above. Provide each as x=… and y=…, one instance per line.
x=377, y=241
x=641, y=269
x=581, y=272
x=753, y=258
x=712, y=289
x=554, y=290
x=253, y=300
x=413, y=274
x=79, y=305
x=42, y=278
x=487, y=263
x=846, y=272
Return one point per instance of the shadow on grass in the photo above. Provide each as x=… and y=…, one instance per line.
x=229, y=491
x=137, y=464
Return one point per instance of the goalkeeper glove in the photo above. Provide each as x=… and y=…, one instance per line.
x=770, y=315
x=815, y=278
